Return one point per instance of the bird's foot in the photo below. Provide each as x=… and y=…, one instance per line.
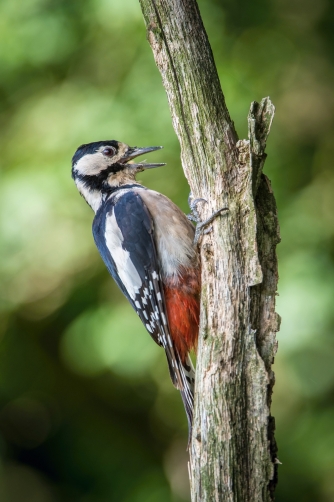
x=194, y=216
x=192, y=203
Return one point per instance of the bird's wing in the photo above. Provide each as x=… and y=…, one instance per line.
x=123, y=232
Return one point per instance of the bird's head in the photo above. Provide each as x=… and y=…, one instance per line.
x=99, y=166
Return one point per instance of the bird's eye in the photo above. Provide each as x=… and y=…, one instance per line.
x=109, y=151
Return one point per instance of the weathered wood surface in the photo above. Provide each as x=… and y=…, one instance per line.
x=233, y=451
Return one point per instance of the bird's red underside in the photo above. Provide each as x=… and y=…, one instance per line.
x=182, y=304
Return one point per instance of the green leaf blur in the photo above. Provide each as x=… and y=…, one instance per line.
x=88, y=412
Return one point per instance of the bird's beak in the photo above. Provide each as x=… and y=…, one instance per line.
x=135, y=152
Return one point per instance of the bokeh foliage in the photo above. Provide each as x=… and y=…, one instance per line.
x=88, y=413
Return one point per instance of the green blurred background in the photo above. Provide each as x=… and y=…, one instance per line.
x=88, y=413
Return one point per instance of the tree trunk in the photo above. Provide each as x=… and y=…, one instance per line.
x=233, y=450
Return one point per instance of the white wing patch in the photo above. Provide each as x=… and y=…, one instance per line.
x=125, y=268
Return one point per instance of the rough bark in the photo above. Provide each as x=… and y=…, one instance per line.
x=233, y=451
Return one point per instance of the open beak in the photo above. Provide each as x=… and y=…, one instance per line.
x=135, y=151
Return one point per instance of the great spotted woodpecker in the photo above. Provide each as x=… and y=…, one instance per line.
x=147, y=244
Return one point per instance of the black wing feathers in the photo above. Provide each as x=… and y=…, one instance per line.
x=136, y=226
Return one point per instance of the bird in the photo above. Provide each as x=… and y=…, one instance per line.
x=149, y=247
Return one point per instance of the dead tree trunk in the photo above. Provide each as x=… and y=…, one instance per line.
x=233, y=451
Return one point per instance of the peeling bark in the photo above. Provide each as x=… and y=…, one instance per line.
x=233, y=450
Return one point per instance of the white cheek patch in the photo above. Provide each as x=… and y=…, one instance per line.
x=91, y=164
x=125, y=268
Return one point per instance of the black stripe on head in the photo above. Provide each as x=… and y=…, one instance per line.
x=92, y=148
x=97, y=181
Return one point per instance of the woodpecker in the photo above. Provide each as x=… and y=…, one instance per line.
x=147, y=244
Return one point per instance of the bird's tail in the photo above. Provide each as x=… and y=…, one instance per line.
x=183, y=378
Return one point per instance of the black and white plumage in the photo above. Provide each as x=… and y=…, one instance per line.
x=146, y=243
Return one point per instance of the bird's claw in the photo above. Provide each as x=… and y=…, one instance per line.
x=194, y=216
